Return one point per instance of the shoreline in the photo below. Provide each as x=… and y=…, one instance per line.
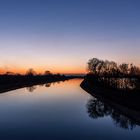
x=8, y=83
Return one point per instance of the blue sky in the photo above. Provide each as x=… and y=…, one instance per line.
x=61, y=35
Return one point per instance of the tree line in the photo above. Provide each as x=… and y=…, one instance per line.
x=30, y=72
x=110, y=68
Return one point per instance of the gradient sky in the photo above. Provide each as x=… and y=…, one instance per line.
x=62, y=35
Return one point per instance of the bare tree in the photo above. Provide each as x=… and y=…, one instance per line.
x=134, y=70
x=111, y=68
x=124, y=69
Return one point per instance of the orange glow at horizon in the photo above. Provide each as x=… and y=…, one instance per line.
x=40, y=70
x=67, y=70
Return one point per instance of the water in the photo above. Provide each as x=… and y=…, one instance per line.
x=59, y=111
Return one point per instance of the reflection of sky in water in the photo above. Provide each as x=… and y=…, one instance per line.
x=55, y=112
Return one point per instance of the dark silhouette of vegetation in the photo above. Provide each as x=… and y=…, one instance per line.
x=31, y=72
x=126, y=120
x=47, y=72
x=125, y=84
x=123, y=91
x=109, y=74
x=112, y=69
x=122, y=106
x=10, y=81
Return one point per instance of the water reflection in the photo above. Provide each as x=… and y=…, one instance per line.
x=32, y=88
x=97, y=109
x=58, y=112
x=48, y=85
x=122, y=107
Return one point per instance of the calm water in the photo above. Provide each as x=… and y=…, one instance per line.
x=61, y=111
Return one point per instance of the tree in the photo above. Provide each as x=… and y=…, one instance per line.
x=30, y=72
x=134, y=70
x=94, y=65
x=124, y=69
x=111, y=68
x=9, y=73
x=100, y=67
x=47, y=72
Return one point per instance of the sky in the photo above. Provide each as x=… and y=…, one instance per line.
x=62, y=35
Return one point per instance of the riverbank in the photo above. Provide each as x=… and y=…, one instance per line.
x=128, y=97
x=13, y=82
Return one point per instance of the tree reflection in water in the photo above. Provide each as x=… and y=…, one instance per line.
x=47, y=84
x=34, y=87
x=97, y=109
x=31, y=88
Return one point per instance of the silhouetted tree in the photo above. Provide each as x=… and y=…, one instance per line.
x=134, y=70
x=9, y=73
x=111, y=68
x=30, y=72
x=94, y=65
x=47, y=72
x=124, y=69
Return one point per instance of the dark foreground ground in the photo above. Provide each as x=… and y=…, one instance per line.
x=13, y=82
x=124, y=96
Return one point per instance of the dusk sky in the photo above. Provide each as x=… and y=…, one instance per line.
x=62, y=35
